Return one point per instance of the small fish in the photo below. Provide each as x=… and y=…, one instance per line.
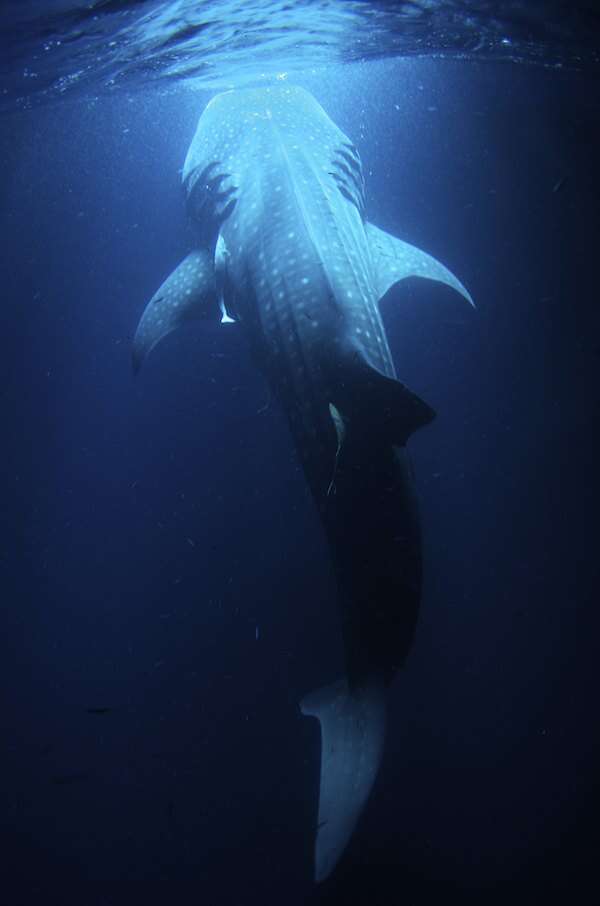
x=98, y=710
x=559, y=184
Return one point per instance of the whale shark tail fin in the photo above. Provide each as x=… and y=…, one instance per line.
x=352, y=733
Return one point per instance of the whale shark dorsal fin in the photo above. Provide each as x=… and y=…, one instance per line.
x=352, y=734
x=382, y=408
x=188, y=293
x=396, y=260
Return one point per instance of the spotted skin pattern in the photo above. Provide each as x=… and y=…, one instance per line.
x=277, y=195
x=302, y=273
x=188, y=292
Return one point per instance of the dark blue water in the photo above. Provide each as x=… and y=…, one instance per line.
x=167, y=597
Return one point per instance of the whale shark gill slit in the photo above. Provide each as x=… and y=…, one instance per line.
x=209, y=201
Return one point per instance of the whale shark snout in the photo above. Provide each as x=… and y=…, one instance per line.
x=276, y=192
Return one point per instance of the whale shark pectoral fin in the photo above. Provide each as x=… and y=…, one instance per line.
x=352, y=734
x=188, y=293
x=396, y=260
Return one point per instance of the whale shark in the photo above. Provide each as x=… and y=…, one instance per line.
x=282, y=246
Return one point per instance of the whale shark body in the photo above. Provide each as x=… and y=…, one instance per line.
x=276, y=192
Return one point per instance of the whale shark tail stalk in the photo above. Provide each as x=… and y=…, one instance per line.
x=352, y=733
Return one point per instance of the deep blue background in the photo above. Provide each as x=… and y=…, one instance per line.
x=160, y=555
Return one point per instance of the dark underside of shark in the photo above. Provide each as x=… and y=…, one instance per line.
x=276, y=193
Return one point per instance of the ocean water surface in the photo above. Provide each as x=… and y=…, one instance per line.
x=167, y=596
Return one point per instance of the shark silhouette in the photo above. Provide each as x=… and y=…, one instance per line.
x=276, y=191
